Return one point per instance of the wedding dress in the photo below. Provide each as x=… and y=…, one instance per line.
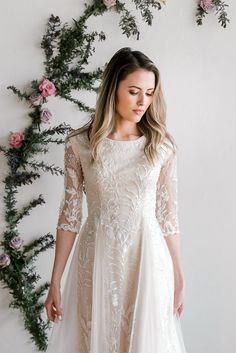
x=119, y=293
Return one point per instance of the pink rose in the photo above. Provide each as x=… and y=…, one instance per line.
x=47, y=88
x=4, y=260
x=16, y=139
x=109, y=3
x=16, y=243
x=36, y=99
x=46, y=116
x=207, y=5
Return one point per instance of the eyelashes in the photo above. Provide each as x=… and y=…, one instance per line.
x=135, y=93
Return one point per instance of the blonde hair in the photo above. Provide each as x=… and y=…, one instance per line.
x=153, y=122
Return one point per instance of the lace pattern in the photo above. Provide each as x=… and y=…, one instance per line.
x=70, y=210
x=119, y=294
x=167, y=197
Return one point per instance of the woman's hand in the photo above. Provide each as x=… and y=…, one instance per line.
x=53, y=303
x=179, y=295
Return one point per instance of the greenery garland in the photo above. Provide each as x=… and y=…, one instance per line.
x=62, y=45
x=207, y=6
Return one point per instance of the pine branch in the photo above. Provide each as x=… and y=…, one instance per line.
x=50, y=38
x=83, y=107
x=7, y=236
x=60, y=129
x=127, y=22
x=33, y=256
x=88, y=49
x=46, y=168
x=39, y=242
x=32, y=250
x=87, y=79
x=26, y=210
x=10, y=202
x=18, y=93
x=200, y=15
x=33, y=322
x=41, y=291
x=146, y=13
x=21, y=178
x=221, y=12
x=57, y=141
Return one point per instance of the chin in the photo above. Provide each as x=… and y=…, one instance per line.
x=135, y=120
x=138, y=118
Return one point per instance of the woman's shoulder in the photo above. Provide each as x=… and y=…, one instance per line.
x=165, y=145
x=77, y=137
x=168, y=147
x=79, y=142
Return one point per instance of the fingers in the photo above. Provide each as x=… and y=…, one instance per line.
x=53, y=308
x=58, y=309
x=178, y=302
x=178, y=309
x=50, y=311
x=54, y=313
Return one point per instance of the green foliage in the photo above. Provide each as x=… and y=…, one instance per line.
x=220, y=10
x=21, y=277
x=146, y=13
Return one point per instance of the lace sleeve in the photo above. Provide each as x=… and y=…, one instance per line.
x=70, y=212
x=166, y=200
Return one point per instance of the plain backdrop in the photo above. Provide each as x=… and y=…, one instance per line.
x=197, y=66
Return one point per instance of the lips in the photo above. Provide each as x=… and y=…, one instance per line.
x=138, y=111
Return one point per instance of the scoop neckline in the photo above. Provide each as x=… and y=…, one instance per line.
x=135, y=140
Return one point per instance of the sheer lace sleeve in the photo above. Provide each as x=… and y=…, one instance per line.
x=166, y=200
x=70, y=212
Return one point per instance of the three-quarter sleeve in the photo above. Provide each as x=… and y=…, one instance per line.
x=70, y=211
x=167, y=196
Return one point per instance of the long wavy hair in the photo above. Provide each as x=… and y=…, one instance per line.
x=152, y=124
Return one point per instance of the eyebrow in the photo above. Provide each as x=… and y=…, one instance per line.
x=140, y=88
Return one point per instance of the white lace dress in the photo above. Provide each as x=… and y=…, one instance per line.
x=119, y=292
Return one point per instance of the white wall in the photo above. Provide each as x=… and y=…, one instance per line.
x=197, y=65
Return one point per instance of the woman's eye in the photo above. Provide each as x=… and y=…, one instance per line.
x=134, y=93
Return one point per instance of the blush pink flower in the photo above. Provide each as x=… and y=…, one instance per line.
x=16, y=243
x=47, y=88
x=207, y=5
x=36, y=99
x=45, y=116
x=4, y=260
x=16, y=139
x=109, y=3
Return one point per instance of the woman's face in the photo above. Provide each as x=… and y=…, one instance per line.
x=134, y=95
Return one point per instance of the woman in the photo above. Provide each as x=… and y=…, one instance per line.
x=125, y=288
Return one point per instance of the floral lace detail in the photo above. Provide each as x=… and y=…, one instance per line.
x=70, y=211
x=167, y=197
x=119, y=293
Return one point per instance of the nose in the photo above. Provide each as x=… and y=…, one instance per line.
x=141, y=99
x=141, y=103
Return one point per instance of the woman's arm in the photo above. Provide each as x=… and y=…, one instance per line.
x=68, y=225
x=64, y=244
x=167, y=215
x=174, y=245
